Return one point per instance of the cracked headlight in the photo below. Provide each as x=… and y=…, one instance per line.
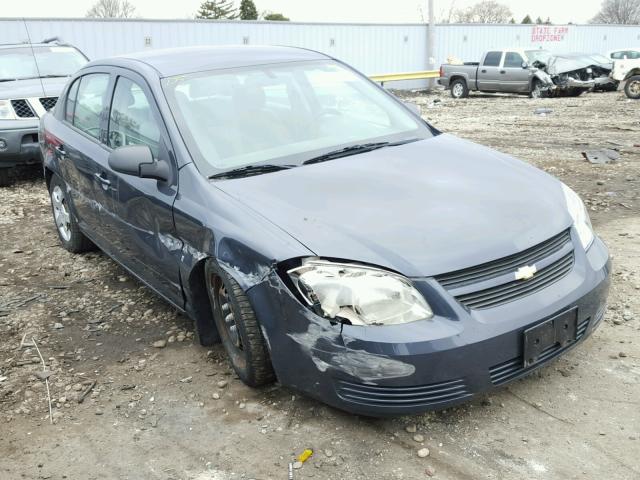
x=360, y=294
x=6, y=111
x=580, y=216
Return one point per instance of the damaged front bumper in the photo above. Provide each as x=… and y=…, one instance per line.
x=423, y=365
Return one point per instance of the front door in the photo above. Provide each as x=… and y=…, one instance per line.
x=147, y=243
x=516, y=78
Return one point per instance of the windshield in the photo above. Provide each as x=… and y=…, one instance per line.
x=282, y=114
x=18, y=63
x=538, y=56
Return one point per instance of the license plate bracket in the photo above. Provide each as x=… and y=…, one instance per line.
x=560, y=330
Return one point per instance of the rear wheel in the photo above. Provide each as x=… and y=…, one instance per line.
x=632, y=87
x=459, y=89
x=71, y=237
x=5, y=177
x=238, y=328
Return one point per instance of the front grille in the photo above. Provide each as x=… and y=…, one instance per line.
x=508, y=264
x=426, y=395
x=508, y=292
x=48, y=102
x=515, y=289
x=506, y=371
x=22, y=108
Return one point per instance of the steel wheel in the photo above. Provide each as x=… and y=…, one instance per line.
x=238, y=328
x=61, y=213
x=228, y=315
x=458, y=90
x=634, y=87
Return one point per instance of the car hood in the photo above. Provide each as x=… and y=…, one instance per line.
x=422, y=209
x=32, y=88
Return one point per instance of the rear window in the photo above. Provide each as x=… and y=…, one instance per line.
x=492, y=59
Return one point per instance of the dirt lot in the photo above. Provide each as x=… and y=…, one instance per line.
x=123, y=409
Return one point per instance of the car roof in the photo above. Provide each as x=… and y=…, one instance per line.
x=184, y=60
x=29, y=45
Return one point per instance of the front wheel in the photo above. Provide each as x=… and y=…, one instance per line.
x=71, y=237
x=632, y=87
x=238, y=328
x=536, y=89
x=459, y=89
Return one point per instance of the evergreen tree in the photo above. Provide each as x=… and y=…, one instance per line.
x=217, y=10
x=248, y=10
x=512, y=21
x=278, y=17
x=539, y=21
x=548, y=21
x=527, y=20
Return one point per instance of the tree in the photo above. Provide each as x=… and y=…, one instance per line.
x=622, y=12
x=512, y=21
x=111, y=9
x=527, y=20
x=539, y=21
x=275, y=17
x=487, y=11
x=217, y=10
x=548, y=21
x=248, y=10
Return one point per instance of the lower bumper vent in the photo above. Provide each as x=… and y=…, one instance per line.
x=377, y=396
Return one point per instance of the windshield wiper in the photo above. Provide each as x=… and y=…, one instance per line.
x=250, y=170
x=355, y=149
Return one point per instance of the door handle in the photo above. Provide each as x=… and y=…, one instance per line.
x=60, y=149
x=102, y=179
x=484, y=71
x=502, y=71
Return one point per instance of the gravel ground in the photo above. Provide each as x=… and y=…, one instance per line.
x=126, y=409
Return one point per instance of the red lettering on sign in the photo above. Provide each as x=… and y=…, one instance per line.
x=548, y=33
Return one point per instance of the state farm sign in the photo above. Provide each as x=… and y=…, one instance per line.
x=548, y=33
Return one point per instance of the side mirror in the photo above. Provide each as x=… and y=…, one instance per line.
x=525, y=65
x=413, y=107
x=137, y=160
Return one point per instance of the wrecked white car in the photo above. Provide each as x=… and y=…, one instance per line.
x=573, y=74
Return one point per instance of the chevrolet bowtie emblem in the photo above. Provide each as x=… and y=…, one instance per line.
x=526, y=272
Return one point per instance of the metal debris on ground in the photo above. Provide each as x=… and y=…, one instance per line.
x=602, y=156
x=542, y=111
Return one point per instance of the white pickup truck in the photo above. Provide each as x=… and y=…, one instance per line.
x=626, y=70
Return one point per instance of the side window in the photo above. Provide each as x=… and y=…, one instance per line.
x=513, y=60
x=131, y=121
x=617, y=55
x=70, y=104
x=633, y=55
x=90, y=103
x=492, y=59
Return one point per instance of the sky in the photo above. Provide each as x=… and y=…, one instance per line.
x=396, y=11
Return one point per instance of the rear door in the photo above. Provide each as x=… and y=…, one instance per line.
x=83, y=156
x=147, y=243
x=515, y=78
x=489, y=72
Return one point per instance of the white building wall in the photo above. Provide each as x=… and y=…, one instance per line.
x=372, y=48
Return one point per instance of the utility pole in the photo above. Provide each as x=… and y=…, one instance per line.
x=431, y=38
